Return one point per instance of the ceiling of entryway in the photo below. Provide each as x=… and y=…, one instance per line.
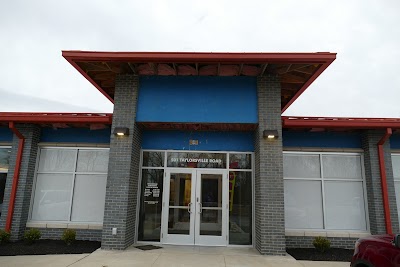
x=295, y=70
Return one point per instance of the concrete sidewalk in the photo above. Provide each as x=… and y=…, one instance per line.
x=176, y=256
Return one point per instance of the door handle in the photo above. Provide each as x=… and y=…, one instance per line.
x=189, y=207
x=201, y=207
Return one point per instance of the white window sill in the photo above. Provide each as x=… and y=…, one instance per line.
x=52, y=225
x=327, y=233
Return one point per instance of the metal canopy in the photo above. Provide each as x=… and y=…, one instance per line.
x=295, y=70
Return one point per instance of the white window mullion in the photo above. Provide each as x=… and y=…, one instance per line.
x=323, y=191
x=364, y=185
x=73, y=185
x=227, y=161
x=165, y=159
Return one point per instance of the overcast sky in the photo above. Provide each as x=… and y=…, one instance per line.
x=363, y=81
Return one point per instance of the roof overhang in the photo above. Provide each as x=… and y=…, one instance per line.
x=96, y=120
x=339, y=124
x=58, y=120
x=297, y=71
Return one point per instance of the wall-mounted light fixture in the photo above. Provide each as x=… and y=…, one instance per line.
x=121, y=131
x=270, y=134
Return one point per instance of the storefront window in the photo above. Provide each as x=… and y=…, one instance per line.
x=4, y=163
x=151, y=205
x=324, y=191
x=396, y=177
x=240, y=208
x=4, y=158
x=70, y=185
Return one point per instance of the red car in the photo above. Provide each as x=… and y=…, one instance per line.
x=377, y=251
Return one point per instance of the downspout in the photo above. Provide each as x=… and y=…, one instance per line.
x=16, y=175
x=382, y=169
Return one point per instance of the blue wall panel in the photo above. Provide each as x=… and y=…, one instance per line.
x=214, y=141
x=395, y=141
x=76, y=135
x=5, y=134
x=322, y=139
x=197, y=99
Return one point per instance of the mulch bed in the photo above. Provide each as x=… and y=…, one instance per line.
x=311, y=254
x=46, y=247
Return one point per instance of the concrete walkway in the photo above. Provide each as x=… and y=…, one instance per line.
x=176, y=256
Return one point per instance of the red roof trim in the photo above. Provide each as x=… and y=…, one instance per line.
x=287, y=122
x=203, y=57
x=22, y=117
x=331, y=122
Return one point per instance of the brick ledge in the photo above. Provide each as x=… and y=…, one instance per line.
x=64, y=225
x=292, y=233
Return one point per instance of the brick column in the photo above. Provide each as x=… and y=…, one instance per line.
x=269, y=193
x=370, y=140
x=24, y=190
x=123, y=169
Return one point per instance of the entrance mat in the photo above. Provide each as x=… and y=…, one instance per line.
x=147, y=247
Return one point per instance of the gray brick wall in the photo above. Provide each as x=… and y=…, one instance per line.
x=22, y=202
x=269, y=194
x=307, y=242
x=123, y=168
x=81, y=234
x=370, y=140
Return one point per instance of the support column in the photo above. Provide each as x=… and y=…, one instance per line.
x=31, y=133
x=376, y=213
x=269, y=192
x=123, y=168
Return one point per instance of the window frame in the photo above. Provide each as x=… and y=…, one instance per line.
x=74, y=174
x=322, y=179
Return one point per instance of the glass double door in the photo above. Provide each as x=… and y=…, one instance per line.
x=195, y=207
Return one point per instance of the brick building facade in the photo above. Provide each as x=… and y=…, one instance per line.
x=196, y=152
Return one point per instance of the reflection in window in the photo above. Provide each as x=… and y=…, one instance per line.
x=153, y=159
x=151, y=205
x=180, y=189
x=240, y=161
x=92, y=161
x=240, y=208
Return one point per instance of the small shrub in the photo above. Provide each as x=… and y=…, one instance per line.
x=322, y=244
x=4, y=237
x=69, y=236
x=32, y=235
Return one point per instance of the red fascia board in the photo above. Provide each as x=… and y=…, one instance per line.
x=188, y=57
x=355, y=123
x=55, y=118
x=308, y=83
